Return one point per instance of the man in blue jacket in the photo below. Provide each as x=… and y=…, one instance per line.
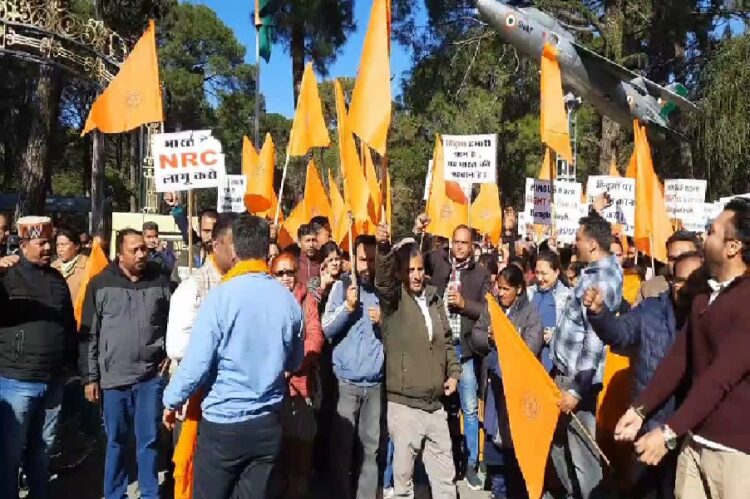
x=351, y=322
x=650, y=328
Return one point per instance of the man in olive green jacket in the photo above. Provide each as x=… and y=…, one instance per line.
x=420, y=368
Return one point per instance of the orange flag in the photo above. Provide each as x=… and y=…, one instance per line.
x=288, y=231
x=445, y=213
x=554, y=118
x=548, y=171
x=309, y=128
x=94, y=265
x=486, y=215
x=613, y=171
x=259, y=172
x=652, y=224
x=133, y=98
x=339, y=216
x=531, y=398
x=315, y=200
x=373, y=184
x=356, y=191
x=184, y=452
x=370, y=112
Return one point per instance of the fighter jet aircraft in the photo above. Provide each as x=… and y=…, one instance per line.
x=613, y=90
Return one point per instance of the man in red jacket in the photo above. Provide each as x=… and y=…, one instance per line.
x=710, y=357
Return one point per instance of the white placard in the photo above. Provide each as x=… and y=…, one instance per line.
x=711, y=211
x=470, y=159
x=567, y=201
x=622, y=192
x=187, y=160
x=427, y=182
x=685, y=199
x=231, y=194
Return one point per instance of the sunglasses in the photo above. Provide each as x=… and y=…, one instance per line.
x=285, y=273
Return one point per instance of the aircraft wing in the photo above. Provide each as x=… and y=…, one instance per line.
x=625, y=74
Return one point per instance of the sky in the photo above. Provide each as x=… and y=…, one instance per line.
x=276, y=76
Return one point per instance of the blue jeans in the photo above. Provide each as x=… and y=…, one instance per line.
x=24, y=436
x=388, y=473
x=135, y=407
x=468, y=390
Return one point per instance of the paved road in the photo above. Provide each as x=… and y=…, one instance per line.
x=86, y=483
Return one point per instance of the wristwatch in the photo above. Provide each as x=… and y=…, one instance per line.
x=670, y=437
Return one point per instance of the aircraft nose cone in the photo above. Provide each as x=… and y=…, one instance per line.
x=490, y=9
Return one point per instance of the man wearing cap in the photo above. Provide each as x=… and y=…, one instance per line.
x=37, y=338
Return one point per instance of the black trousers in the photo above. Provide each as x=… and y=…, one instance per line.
x=235, y=460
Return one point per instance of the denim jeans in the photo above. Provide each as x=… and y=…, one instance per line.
x=504, y=473
x=356, y=431
x=132, y=408
x=468, y=390
x=236, y=459
x=24, y=436
x=388, y=473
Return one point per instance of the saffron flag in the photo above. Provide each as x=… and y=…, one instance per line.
x=652, y=224
x=309, y=128
x=370, y=112
x=258, y=172
x=548, y=171
x=445, y=214
x=288, y=232
x=356, y=191
x=531, y=398
x=184, y=452
x=486, y=215
x=339, y=216
x=554, y=118
x=133, y=98
x=315, y=200
x=373, y=184
x=96, y=262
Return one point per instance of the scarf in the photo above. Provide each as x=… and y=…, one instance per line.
x=68, y=268
x=246, y=267
x=454, y=319
x=184, y=452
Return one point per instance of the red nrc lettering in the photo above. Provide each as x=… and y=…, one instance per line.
x=208, y=158
x=168, y=160
x=189, y=158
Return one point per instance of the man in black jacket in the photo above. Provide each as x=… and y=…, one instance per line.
x=37, y=332
x=122, y=358
x=463, y=285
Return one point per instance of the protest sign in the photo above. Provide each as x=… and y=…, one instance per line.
x=231, y=194
x=685, y=200
x=622, y=192
x=187, y=160
x=539, y=201
x=470, y=159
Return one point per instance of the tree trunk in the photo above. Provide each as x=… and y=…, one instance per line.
x=298, y=57
x=608, y=144
x=35, y=167
x=97, y=183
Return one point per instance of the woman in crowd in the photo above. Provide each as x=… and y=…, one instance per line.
x=70, y=262
x=502, y=466
x=330, y=270
x=549, y=296
x=291, y=479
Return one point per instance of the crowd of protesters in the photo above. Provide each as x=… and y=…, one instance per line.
x=370, y=368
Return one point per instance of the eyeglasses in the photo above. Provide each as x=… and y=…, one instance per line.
x=285, y=273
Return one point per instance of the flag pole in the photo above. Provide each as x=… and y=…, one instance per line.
x=352, y=256
x=651, y=251
x=257, y=75
x=190, y=231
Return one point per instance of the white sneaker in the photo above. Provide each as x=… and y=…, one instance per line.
x=388, y=493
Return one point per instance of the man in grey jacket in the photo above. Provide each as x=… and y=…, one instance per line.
x=122, y=357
